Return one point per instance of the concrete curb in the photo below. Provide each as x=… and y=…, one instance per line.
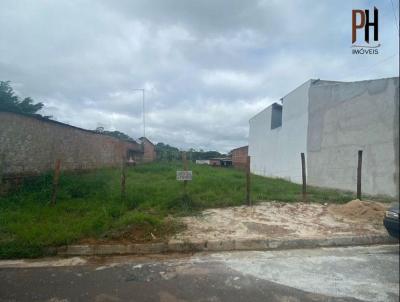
x=175, y=246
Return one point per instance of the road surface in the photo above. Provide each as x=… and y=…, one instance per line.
x=327, y=274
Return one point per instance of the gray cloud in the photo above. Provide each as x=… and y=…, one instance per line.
x=207, y=66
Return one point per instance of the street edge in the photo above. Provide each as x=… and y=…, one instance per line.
x=176, y=246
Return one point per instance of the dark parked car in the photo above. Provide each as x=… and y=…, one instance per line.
x=391, y=220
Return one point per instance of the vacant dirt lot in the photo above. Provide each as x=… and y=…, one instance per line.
x=286, y=220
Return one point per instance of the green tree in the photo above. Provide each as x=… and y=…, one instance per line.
x=167, y=152
x=10, y=102
x=117, y=134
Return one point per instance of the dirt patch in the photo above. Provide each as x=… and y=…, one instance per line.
x=280, y=220
x=362, y=211
x=275, y=220
x=265, y=229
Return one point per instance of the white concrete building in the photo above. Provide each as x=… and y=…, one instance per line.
x=330, y=121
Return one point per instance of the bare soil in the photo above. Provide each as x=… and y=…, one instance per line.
x=362, y=211
x=286, y=220
x=276, y=220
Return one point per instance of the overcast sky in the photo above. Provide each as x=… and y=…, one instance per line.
x=207, y=66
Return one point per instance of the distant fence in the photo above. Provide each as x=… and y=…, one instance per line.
x=31, y=145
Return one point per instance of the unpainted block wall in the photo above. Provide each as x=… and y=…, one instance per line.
x=345, y=118
x=29, y=145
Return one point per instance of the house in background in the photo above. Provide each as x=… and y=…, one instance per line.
x=239, y=156
x=220, y=162
x=330, y=122
x=149, y=152
x=202, y=161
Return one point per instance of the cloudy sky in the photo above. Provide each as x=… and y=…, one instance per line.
x=207, y=66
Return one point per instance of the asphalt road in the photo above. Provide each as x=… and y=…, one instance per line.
x=329, y=274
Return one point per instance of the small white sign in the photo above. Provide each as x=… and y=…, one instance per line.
x=183, y=175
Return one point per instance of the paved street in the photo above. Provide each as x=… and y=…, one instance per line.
x=329, y=274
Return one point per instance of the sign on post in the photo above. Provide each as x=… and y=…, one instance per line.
x=183, y=175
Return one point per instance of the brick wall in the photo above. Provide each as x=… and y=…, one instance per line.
x=30, y=145
x=239, y=156
x=149, y=154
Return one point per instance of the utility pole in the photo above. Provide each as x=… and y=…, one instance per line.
x=144, y=108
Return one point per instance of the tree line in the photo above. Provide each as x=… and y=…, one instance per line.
x=10, y=102
x=166, y=152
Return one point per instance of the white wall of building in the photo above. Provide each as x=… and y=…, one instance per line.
x=329, y=122
x=276, y=152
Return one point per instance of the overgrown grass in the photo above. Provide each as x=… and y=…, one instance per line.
x=89, y=205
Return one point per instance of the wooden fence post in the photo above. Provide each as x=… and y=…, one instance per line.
x=248, y=184
x=123, y=178
x=55, y=181
x=185, y=168
x=2, y=164
x=359, y=174
x=303, y=176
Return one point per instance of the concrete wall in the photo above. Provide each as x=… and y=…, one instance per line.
x=330, y=121
x=276, y=152
x=345, y=118
x=31, y=145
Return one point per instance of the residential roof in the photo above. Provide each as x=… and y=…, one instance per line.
x=145, y=138
x=239, y=148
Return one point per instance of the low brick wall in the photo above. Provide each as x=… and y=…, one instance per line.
x=31, y=145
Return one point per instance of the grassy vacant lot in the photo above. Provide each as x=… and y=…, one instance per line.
x=89, y=205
